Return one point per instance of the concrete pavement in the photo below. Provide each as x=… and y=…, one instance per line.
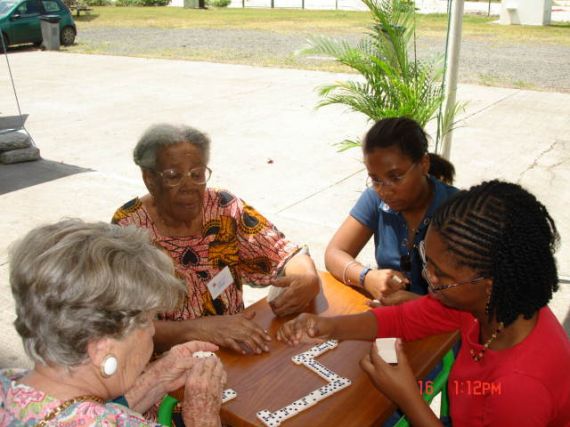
x=88, y=111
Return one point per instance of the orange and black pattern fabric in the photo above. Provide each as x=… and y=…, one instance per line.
x=233, y=234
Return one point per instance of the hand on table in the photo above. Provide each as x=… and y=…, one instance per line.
x=237, y=332
x=304, y=326
x=203, y=389
x=300, y=291
x=395, y=298
x=397, y=382
x=383, y=282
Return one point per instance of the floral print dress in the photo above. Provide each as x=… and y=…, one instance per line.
x=21, y=405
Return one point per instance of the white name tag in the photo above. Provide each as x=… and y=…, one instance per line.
x=220, y=282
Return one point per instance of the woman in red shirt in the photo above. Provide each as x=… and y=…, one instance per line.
x=489, y=262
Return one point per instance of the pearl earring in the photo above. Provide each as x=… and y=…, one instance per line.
x=109, y=366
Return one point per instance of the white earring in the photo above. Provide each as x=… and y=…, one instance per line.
x=109, y=366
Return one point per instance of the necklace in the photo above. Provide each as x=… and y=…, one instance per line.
x=54, y=413
x=478, y=356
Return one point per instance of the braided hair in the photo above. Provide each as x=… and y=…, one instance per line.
x=503, y=232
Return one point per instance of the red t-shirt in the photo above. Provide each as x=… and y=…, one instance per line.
x=525, y=385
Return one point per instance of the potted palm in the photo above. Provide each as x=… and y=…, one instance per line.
x=394, y=81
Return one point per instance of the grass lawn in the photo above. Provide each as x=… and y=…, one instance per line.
x=270, y=37
x=307, y=21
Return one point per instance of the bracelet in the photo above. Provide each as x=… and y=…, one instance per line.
x=345, y=280
x=362, y=276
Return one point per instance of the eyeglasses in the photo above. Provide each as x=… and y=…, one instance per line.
x=426, y=274
x=389, y=182
x=173, y=177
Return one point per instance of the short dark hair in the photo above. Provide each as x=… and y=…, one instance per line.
x=504, y=233
x=402, y=132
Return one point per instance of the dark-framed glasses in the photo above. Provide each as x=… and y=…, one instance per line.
x=373, y=182
x=198, y=176
x=426, y=274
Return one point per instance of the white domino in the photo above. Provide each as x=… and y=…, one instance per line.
x=228, y=395
x=386, y=348
x=314, y=351
x=267, y=418
x=321, y=370
x=202, y=354
x=334, y=384
x=274, y=293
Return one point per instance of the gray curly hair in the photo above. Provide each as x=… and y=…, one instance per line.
x=74, y=282
x=163, y=134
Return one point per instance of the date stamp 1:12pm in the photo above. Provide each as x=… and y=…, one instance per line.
x=466, y=387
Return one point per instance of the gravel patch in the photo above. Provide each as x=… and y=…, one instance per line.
x=532, y=66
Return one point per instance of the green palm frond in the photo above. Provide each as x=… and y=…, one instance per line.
x=347, y=144
x=391, y=83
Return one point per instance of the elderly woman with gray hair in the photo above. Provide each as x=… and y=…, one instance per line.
x=86, y=296
x=217, y=242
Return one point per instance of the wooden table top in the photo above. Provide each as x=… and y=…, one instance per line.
x=271, y=380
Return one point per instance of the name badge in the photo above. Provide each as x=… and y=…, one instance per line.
x=220, y=282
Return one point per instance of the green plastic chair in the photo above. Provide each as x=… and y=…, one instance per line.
x=165, y=410
x=439, y=385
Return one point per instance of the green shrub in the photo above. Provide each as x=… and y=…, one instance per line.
x=395, y=83
x=218, y=3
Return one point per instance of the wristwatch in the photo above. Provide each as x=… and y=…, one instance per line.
x=362, y=276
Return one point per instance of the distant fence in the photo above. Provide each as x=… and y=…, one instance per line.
x=301, y=4
x=423, y=6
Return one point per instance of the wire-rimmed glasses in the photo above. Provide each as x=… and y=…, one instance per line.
x=388, y=182
x=426, y=274
x=198, y=176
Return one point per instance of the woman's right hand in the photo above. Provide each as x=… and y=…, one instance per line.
x=382, y=282
x=203, y=393
x=237, y=332
x=305, y=326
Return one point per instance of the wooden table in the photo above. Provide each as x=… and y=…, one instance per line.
x=271, y=380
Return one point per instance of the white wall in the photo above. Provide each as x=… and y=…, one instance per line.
x=526, y=12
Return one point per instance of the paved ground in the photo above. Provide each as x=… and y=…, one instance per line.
x=87, y=111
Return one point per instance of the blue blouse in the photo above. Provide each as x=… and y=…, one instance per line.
x=391, y=232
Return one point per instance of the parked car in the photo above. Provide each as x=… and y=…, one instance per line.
x=20, y=21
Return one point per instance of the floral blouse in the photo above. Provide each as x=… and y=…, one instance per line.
x=233, y=234
x=21, y=405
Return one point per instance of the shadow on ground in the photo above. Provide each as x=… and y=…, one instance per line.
x=22, y=175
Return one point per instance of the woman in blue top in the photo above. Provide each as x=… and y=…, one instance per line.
x=396, y=208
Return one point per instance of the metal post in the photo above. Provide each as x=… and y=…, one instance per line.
x=302, y=4
x=272, y=4
x=452, y=68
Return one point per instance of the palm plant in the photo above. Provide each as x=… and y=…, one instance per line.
x=394, y=83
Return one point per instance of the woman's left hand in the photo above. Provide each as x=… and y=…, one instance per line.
x=397, y=382
x=171, y=367
x=203, y=393
x=164, y=375
x=300, y=290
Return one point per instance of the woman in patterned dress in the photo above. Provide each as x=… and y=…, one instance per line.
x=206, y=231
x=86, y=295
